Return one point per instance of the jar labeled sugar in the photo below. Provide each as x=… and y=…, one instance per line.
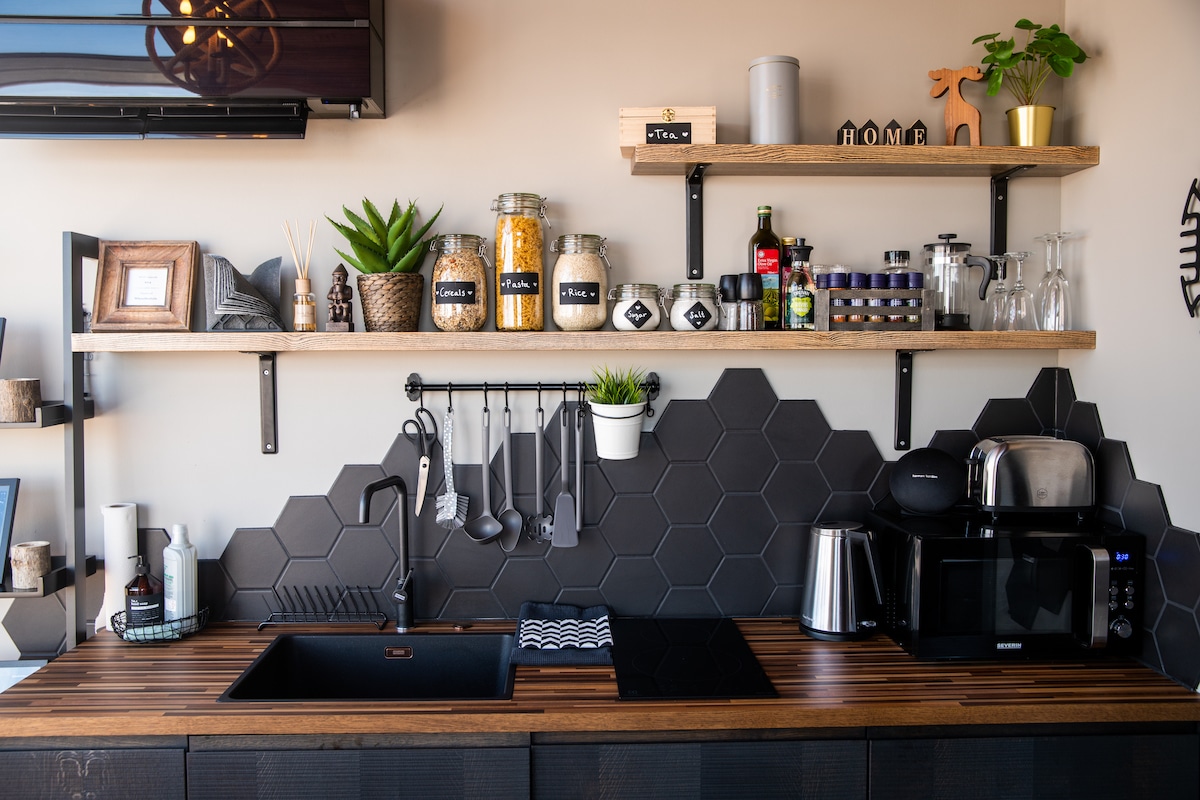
x=580, y=283
x=635, y=307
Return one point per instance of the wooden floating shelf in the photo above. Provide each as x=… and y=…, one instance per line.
x=820, y=160
x=594, y=340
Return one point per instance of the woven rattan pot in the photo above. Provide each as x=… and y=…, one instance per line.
x=391, y=301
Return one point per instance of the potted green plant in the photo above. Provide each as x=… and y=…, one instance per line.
x=617, y=402
x=1024, y=72
x=389, y=254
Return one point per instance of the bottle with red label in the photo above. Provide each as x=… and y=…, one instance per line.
x=765, y=251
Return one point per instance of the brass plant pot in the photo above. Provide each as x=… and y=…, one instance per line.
x=391, y=301
x=1029, y=126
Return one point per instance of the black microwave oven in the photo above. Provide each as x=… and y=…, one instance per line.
x=966, y=586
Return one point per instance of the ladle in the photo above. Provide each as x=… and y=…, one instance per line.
x=510, y=519
x=485, y=527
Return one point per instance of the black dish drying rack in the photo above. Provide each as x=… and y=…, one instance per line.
x=322, y=604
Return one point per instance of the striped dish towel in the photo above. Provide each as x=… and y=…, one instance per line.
x=556, y=633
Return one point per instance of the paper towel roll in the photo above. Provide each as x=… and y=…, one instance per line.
x=120, y=544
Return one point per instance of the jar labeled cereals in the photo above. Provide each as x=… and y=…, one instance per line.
x=636, y=307
x=519, y=247
x=694, y=307
x=460, y=293
x=580, y=282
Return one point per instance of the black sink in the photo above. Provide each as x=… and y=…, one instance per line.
x=374, y=667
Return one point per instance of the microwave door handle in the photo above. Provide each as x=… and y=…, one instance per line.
x=1096, y=634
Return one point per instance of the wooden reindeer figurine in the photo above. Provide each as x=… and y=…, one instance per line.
x=958, y=111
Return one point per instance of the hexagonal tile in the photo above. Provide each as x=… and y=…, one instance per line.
x=1178, y=562
x=1007, y=417
x=554, y=434
x=597, y=495
x=796, y=491
x=882, y=487
x=467, y=604
x=37, y=626
x=742, y=399
x=797, y=430
x=957, y=443
x=582, y=565
x=1178, y=641
x=846, y=506
x=742, y=461
x=430, y=590
x=784, y=602
x=402, y=459
x=584, y=598
x=307, y=572
x=1083, y=425
x=525, y=579
x=213, y=588
x=742, y=523
x=1114, y=472
x=467, y=563
x=250, y=605
x=634, y=587
x=850, y=461
x=688, y=555
x=687, y=430
x=688, y=601
x=1145, y=512
x=1153, y=598
x=425, y=535
x=688, y=493
x=254, y=558
x=1051, y=396
x=634, y=525
x=741, y=586
x=637, y=475
x=362, y=556
x=307, y=526
x=786, y=553
x=347, y=488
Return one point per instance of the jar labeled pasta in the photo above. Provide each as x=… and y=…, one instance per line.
x=636, y=307
x=694, y=307
x=460, y=293
x=519, y=261
x=580, y=283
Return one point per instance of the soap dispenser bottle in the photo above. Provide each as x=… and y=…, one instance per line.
x=179, y=575
x=143, y=597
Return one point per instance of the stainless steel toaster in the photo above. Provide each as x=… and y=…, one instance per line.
x=1031, y=473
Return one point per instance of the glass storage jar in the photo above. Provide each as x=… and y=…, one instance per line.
x=519, y=248
x=579, y=286
x=694, y=307
x=635, y=307
x=460, y=294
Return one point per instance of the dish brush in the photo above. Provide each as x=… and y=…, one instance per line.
x=451, y=506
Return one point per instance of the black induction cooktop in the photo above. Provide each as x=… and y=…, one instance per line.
x=684, y=659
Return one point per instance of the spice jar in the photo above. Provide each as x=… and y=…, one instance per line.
x=636, y=307
x=694, y=307
x=580, y=282
x=519, y=261
x=460, y=295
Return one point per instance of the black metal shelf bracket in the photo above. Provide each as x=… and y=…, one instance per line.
x=999, y=209
x=267, y=405
x=904, y=370
x=694, y=220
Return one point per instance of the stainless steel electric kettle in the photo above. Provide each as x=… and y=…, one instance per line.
x=834, y=605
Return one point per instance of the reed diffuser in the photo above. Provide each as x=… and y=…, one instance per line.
x=304, y=302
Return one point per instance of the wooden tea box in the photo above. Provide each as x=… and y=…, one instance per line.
x=667, y=125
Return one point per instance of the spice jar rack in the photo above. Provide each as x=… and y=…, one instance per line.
x=825, y=313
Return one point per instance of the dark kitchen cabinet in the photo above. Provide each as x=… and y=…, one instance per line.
x=759, y=769
x=67, y=773
x=1097, y=767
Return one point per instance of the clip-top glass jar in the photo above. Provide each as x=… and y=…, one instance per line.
x=460, y=294
x=636, y=307
x=519, y=251
x=580, y=282
x=694, y=307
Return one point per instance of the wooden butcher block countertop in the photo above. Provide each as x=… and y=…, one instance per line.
x=107, y=687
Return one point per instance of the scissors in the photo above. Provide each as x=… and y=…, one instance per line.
x=423, y=434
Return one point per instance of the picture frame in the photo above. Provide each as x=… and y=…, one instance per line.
x=145, y=286
x=8, y=510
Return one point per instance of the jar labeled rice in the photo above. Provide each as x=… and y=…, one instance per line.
x=579, y=288
x=460, y=293
x=519, y=261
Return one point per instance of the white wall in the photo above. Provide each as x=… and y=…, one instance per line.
x=485, y=98
x=1142, y=112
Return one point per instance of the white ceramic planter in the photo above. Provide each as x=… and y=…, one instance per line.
x=618, y=430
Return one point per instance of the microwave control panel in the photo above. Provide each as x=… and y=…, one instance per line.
x=1125, y=557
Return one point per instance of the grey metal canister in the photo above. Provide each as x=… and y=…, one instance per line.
x=775, y=100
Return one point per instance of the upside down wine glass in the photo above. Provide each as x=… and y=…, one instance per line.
x=995, y=314
x=1022, y=312
x=1056, y=300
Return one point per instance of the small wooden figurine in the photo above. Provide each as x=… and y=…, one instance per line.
x=341, y=310
x=958, y=111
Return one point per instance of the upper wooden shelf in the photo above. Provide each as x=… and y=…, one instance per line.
x=594, y=340
x=860, y=160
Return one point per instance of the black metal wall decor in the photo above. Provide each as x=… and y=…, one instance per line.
x=1191, y=216
x=893, y=133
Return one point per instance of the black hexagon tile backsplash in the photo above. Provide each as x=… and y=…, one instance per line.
x=711, y=518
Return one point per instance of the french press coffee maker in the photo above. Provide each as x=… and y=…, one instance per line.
x=947, y=268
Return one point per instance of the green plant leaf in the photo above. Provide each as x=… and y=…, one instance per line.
x=352, y=234
x=360, y=224
x=620, y=387
x=352, y=261
x=401, y=223
x=370, y=258
x=376, y=220
x=410, y=261
x=979, y=39
x=1025, y=25
x=995, y=80
x=1063, y=67
x=425, y=228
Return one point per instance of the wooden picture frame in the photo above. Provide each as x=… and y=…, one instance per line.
x=145, y=286
x=8, y=510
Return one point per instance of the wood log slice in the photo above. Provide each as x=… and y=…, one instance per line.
x=19, y=399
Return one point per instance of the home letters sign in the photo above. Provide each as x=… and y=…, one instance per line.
x=893, y=133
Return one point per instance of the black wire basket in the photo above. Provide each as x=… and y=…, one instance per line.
x=163, y=632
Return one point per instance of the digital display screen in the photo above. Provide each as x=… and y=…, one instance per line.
x=1121, y=557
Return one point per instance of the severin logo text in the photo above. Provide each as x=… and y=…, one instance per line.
x=1008, y=645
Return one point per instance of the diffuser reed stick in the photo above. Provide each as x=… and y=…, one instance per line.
x=304, y=305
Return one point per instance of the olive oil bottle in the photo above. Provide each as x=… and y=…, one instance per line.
x=765, y=251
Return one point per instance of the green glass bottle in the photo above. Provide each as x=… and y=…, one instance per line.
x=765, y=251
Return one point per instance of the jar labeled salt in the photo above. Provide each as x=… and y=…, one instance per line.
x=694, y=307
